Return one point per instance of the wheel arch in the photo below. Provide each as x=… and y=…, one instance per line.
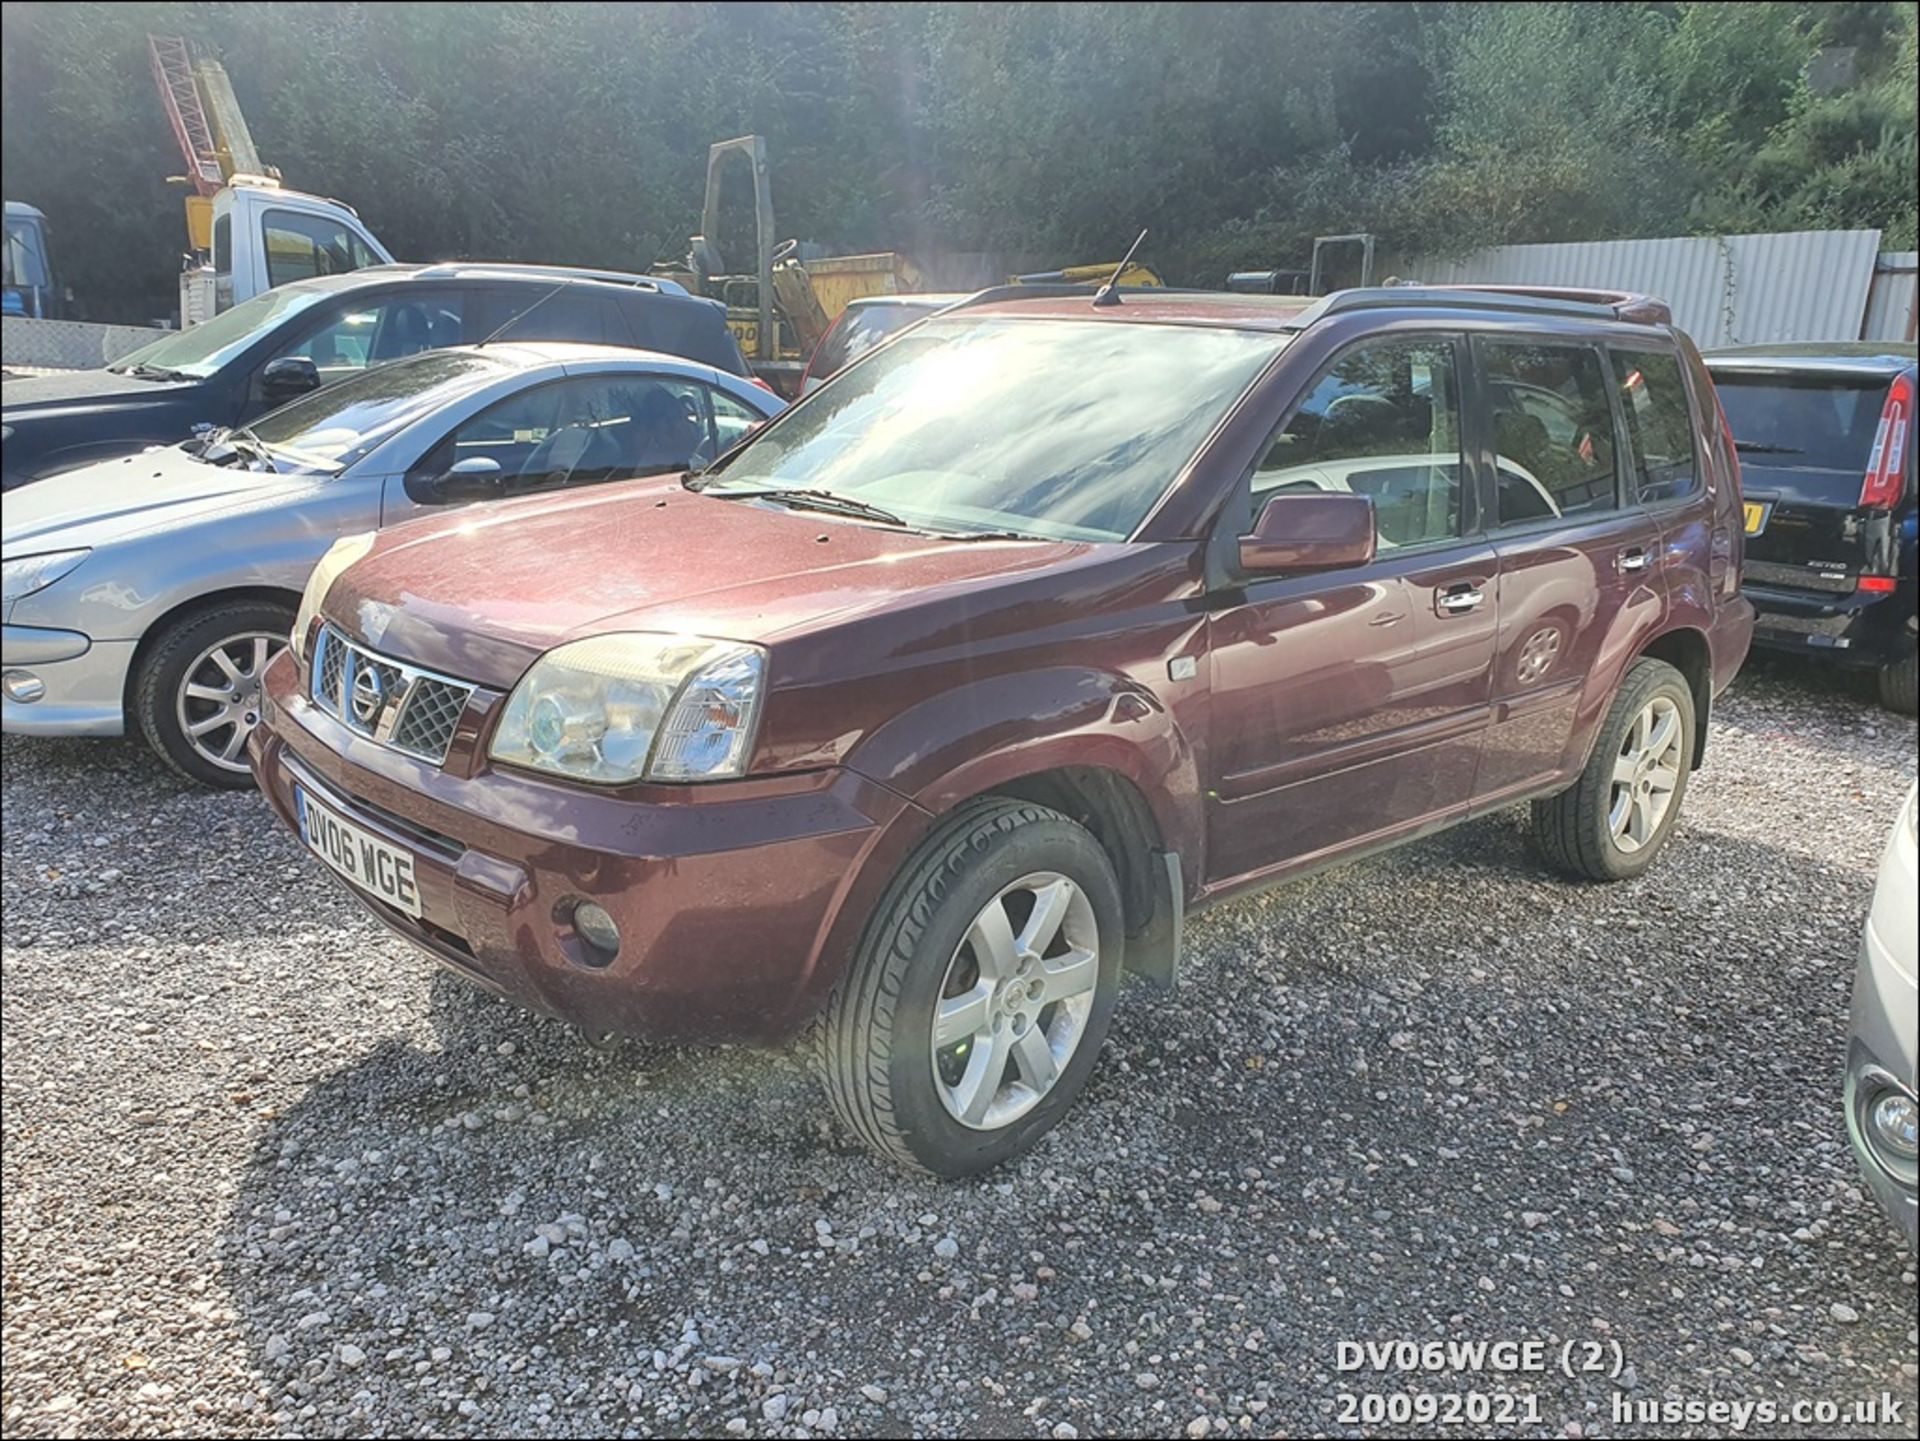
x=188, y=610
x=1688, y=651
x=1114, y=810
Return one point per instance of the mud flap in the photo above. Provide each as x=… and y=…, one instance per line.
x=1154, y=952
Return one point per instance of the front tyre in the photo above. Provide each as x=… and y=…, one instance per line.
x=197, y=694
x=1616, y=818
x=976, y=1006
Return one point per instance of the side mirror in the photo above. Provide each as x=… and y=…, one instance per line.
x=478, y=477
x=1306, y=532
x=288, y=376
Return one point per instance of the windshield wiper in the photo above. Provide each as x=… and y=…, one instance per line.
x=234, y=442
x=801, y=499
x=1760, y=447
x=154, y=372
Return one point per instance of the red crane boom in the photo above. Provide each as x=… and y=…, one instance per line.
x=173, y=73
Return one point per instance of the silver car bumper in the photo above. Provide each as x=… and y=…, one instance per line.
x=82, y=683
x=1883, y=1053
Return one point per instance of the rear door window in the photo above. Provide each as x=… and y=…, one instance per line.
x=1552, y=427
x=731, y=420
x=1659, y=424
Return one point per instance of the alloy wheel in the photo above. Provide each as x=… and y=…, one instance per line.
x=218, y=703
x=1014, y=1004
x=1645, y=775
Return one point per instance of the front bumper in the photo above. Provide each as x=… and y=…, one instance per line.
x=733, y=900
x=86, y=682
x=1882, y=1050
x=1847, y=627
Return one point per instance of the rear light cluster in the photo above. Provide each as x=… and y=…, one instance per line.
x=1886, y=479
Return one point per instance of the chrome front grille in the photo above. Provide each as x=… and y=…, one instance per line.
x=398, y=705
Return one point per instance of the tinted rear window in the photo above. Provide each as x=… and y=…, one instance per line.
x=1821, y=422
x=861, y=328
x=692, y=329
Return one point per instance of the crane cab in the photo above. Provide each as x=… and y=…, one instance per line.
x=264, y=235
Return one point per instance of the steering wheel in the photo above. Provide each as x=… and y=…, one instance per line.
x=540, y=471
x=1355, y=401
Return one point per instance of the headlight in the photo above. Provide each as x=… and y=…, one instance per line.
x=341, y=554
x=23, y=576
x=617, y=708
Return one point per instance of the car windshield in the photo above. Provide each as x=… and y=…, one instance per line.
x=1820, y=422
x=204, y=348
x=335, y=426
x=1066, y=429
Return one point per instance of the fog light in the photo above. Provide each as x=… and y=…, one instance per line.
x=1896, y=1124
x=23, y=686
x=596, y=928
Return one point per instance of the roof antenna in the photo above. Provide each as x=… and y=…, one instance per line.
x=1109, y=294
x=520, y=315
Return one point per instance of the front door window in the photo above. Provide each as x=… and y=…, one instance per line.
x=583, y=431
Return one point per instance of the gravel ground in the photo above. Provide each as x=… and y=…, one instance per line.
x=264, y=1174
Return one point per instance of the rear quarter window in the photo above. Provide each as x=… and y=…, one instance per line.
x=859, y=331
x=690, y=329
x=1659, y=424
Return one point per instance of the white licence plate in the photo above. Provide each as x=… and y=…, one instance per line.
x=363, y=858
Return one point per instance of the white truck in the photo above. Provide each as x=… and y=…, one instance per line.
x=265, y=235
x=247, y=231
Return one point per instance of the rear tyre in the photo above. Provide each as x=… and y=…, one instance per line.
x=1900, y=686
x=975, y=1009
x=1612, y=822
x=197, y=694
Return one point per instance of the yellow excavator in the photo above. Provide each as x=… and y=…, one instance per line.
x=780, y=309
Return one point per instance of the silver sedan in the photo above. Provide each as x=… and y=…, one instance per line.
x=149, y=592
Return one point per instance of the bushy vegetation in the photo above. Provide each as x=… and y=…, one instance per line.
x=577, y=133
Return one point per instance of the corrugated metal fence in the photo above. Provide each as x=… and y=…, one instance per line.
x=1724, y=289
x=1891, y=306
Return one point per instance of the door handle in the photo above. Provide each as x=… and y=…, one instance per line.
x=1633, y=560
x=1458, y=599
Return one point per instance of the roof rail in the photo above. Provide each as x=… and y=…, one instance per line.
x=1050, y=290
x=1056, y=289
x=518, y=270
x=1532, y=300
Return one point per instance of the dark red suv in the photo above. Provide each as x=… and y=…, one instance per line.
x=936, y=704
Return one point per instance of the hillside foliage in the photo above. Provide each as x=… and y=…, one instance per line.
x=1235, y=132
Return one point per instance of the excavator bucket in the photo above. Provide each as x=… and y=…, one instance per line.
x=800, y=308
